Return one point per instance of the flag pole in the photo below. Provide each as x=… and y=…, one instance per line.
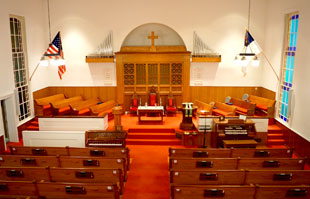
x=271, y=66
x=34, y=71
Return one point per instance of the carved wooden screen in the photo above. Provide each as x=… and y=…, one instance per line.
x=140, y=77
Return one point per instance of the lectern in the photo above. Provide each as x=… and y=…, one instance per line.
x=187, y=121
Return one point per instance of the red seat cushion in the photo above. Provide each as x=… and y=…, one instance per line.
x=153, y=100
x=133, y=109
x=85, y=111
x=135, y=102
x=170, y=102
x=47, y=106
x=260, y=106
x=101, y=113
x=171, y=109
x=243, y=110
x=64, y=110
x=220, y=112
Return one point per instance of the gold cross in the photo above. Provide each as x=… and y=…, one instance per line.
x=153, y=37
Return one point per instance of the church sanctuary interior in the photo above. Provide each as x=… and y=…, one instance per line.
x=157, y=99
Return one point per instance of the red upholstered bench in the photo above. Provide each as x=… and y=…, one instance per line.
x=263, y=104
x=243, y=107
x=103, y=108
x=42, y=105
x=63, y=107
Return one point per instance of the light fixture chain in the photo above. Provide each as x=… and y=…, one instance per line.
x=249, y=15
x=49, y=19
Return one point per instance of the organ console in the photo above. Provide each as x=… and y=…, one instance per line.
x=232, y=129
x=97, y=138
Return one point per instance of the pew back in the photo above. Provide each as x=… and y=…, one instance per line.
x=262, y=152
x=281, y=192
x=243, y=107
x=272, y=163
x=78, y=190
x=199, y=153
x=282, y=177
x=224, y=109
x=212, y=177
x=66, y=102
x=28, y=161
x=17, y=189
x=211, y=191
x=24, y=173
x=41, y=151
x=95, y=110
x=203, y=163
x=203, y=107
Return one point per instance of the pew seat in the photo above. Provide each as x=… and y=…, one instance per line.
x=223, y=109
x=62, y=107
x=82, y=108
x=263, y=104
x=43, y=107
x=243, y=107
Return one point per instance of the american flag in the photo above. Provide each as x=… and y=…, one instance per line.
x=54, y=51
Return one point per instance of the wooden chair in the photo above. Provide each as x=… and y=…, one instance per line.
x=134, y=104
x=152, y=97
x=170, y=105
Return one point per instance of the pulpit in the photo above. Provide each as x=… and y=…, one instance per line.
x=187, y=121
x=117, y=112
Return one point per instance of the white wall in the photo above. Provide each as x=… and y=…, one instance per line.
x=274, y=47
x=221, y=24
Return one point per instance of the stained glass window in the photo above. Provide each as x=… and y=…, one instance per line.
x=288, y=66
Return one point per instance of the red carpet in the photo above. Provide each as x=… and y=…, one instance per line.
x=148, y=176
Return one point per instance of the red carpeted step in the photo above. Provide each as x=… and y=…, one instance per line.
x=32, y=128
x=275, y=136
x=151, y=130
x=151, y=136
x=34, y=123
x=275, y=142
x=153, y=142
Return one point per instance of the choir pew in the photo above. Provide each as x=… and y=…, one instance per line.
x=103, y=109
x=243, y=107
x=43, y=107
x=82, y=108
x=263, y=104
x=237, y=163
x=21, y=189
x=62, y=107
x=230, y=153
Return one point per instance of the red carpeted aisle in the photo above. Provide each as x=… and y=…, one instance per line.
x=148, y=176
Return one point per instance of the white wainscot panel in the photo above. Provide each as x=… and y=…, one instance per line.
x=54, y=138
x=73, y=124
x=261, y=124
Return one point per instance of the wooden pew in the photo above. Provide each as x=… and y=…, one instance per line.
x=18, y=189
x=212, y=177
x=203, y=164
x=262, y=152
x=212, y=191
x=122, y=153
x=203, y=108
x=263, y=104
x=224, y=109
x=82, y=108
x=271, y=163
x=24, y=173
x=278, y=177
x=40, y=151
x=199, y=153
x=102, y=109
x=78, y=190
x=88, y=175
x=62, y=107
x=42, y=105
x=117, y=152
x=29, y=161
x=243, y=107
x=230, y=153
x=282, y=192
x=93, y=162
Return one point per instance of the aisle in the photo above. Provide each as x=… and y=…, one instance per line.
x=148, y=176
